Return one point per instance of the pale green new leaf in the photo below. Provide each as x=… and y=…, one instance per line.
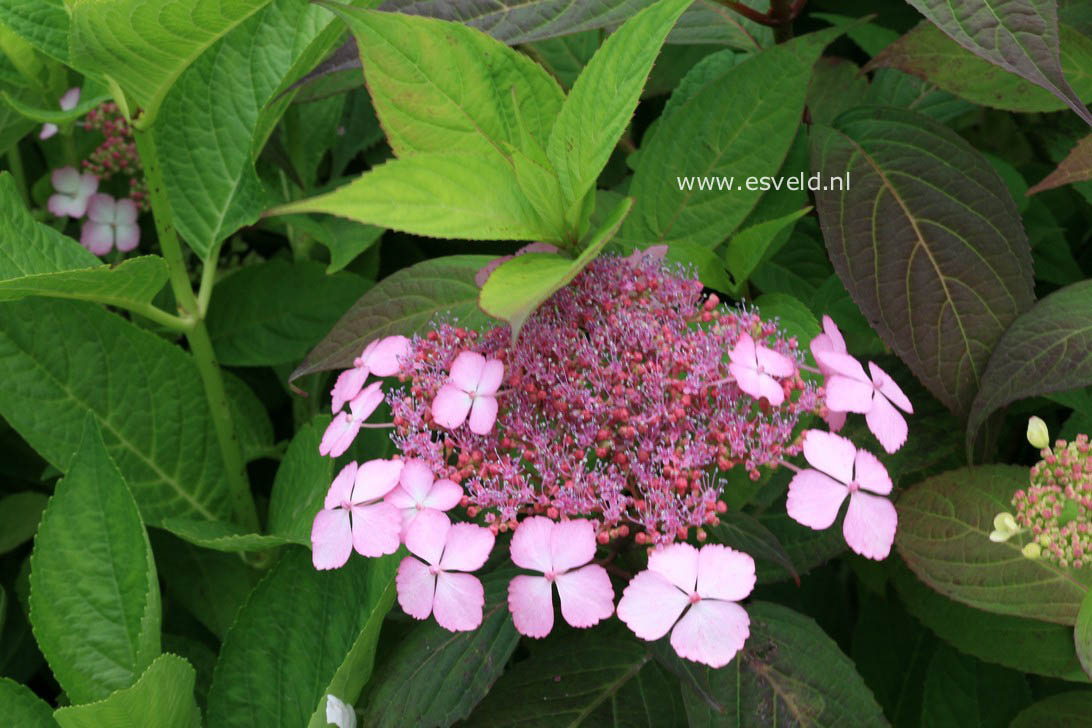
x=94, y=595
x=145, y=45
x=161, y=698
x=22, y=707
x=42, y=23
x=440, y=86
x=450, y=195
x=603, y=99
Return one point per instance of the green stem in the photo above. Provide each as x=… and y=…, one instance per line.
x=198, y=337
x=15, y=166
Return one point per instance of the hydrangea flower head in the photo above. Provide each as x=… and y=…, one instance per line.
x=355, y=516
x=74, y=191
x=841, y=471
x=755, y=367
x=875, y=395
x=472, y=391
x=561, y=552
x=418, y=490
x=700, y=586
x=380, y=357
x=110, y=223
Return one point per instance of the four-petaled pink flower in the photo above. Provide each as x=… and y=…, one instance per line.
x=704, y=584
x=561, y=551
x=829, y=341
x=849, y=389
x=356, y=516
x=74, y=191
x=432, y=583
x=815, y=496
x=471, y=388
x=754, y=367
x=380, y=358
x=68, y=102
x=419, y=490
x=342, y=430
x=110, y=222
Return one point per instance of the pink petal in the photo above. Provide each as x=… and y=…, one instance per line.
x=842, y=364
x=757, y=385
x=342, y=487
x=771, y=390
x=70, y=99
x=101, y=208
x=427, y=535
x=724, y=573
x=467, y=547
x=530, y=548
x=339, y=433
x=331, y=539
x=97, y=237
x=416, y=480
x=466, y=370
x=66, y=180
x=832, y=454
x=869, y=526
x=586, y=595
x=65, y=206
x=459, y=601
x=889, y=388
x=450, y=407
x=126, y=237
x=348, y=385
x=492, y=376
x=483, y=413
x=376, y=478
x=870, y=473
x=678, y=563
x=530, y=600
x=743, y=353
x=848, y=395
x=886, y=424
x=835, y=420
x=711, y=632
x=830, y=329
x=377, y=529
x=399, y=498
x=363, y=404
x=814, y=499
x=416, y=588
x=650, y=604
x=383, y=359
x=87, y=185
x=362, y=360
x=774, y=363
x=572, y=544
x=125, y=213
x=48, y=131
x=443, y=496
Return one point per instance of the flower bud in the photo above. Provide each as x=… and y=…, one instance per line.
x=1038, y=435
x=1031, y=550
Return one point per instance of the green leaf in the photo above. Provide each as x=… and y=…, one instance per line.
x=273, y=313
x=1064, y=710
x=436, y=677
x=929, y=218
x=19, y=514
x=602, y=100
x=943, y=535
x=793, y=318
x=870, y=37
x=806, y=547
x=928, y=53
x=565, y=56
x=1076, y=167
x=161, y=698
x=449, y=195
x=789, y=673
x=221, y=536
x=252, y=424
x=438, y=86
x=597, y=677
x=145, y=393
x=837, y=85
x=1027, y=645
x=145, y=45
x=19, y=704
x=1020, y=36
x=94, y=595
x=519, y=286
x=891, y=87
x=960, y=690
x=345, y=239
x=44, y=24
x=741, y=120
x=1082, y=634
x=29, y=248
x=748, y=247
x=92, y=94
x=132, y=282
x=267, y=676
x=207, y=150
x=800, y=268
x=301, y=483
x=1048, y=349
x=402, y=303
x=746, y=533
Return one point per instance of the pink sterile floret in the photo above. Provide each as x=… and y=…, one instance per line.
x=849, y=389
x=68, y=102
x=418, y=490
x=815, y=496
x=74, y=191
x=704, y=584
x=433, y=583
x=471, y=390
x=342, y=429
x=356, y=516
x=754, y=366
x=380, y=357
x=561, y=552
x=830, y=340
x=110, y=222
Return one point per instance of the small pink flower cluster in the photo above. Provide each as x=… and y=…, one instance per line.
x=1057, y=505
x=612, y=418
x=117, y=155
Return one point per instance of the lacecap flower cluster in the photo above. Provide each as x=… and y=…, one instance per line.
x=611, y=421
